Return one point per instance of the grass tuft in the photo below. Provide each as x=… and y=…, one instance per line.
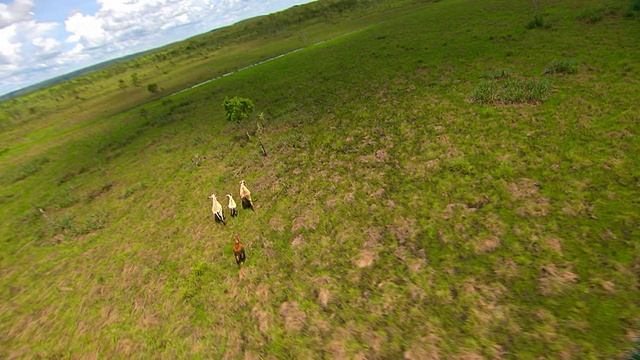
x=594, y=15
x=130, y=190
x=538, y=22
x=25, y=170
x=511, y=91
x=561, y=66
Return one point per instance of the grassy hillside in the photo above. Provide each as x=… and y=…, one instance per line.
x=458, y=181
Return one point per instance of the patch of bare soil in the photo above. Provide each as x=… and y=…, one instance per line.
x=324, y=297
x=378, y=156
x=404, y=229
x=372, y=237
x=309, y=219
x=366, y=259
x=277, y=223
x=534, y=207
x=553, y=244
x=486, y=244
x=533, y=203
x=454, y=209
x=294, y=317
x=525, y=188
x=265, y=319
x=297, y=241
x=426, y=348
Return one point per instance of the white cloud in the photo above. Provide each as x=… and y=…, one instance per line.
x=86, y=30
x=46, y=46
x=22, y=40
x=10, y=48
x=17, y=11
x=117, y=28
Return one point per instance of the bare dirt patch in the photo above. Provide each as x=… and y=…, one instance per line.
x=404, y=229
x=372, y=237
x=425, y=348
x=324, y=297
x=265, y=320
x=298, y=241
x=277, y=223
x=486, y=244
x=525, y=188
x=366, y=259
x=294, y=317
x=308, y=219
x=534, y=207
x=553, y=244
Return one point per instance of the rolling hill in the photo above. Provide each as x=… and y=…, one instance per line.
x=444, y=180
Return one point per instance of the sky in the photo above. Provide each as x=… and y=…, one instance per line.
x=42, y=39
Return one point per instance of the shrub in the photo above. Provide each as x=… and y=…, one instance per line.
x=512, y=91
x=485, y=92
x=527, y=90
x=538, y=22
x=93, y=222
x=153, y=88
x=562, y=66
x=591, y=16
x=25, y=170
x=133, y=189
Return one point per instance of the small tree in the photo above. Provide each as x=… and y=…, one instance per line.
x=153, y=88
x=237, y=109
x=135, y=80
x=259, y=126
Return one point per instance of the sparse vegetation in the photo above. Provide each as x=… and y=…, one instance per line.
x=538, y=21
x=562, y=66
x=395, y=218
x=511, y=91
x=153, y=88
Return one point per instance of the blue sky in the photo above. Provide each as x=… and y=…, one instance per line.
x=41, y=39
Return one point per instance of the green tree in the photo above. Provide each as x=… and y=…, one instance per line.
x=134, y=79
x=153, y=88
x=237, y=109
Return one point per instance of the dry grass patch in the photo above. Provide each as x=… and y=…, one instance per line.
x=485, y=245
x=309, y=219
x=469, y=355
x=404, y=229
x=535, y=207
x=525, y=188
x=265, y=319
x=554, y=279
x=533, y=204
x=425, y=348
x=331, y=202
x=553, y=244
x=372, y=237
x=455, y=209
x=366, y=259
x=578, y=208
x=277, y=223
x=294, y=317
x=324, y=297
x=298, y=241
x=506, y=269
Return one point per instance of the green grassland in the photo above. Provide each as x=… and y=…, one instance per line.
x=455, y=179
